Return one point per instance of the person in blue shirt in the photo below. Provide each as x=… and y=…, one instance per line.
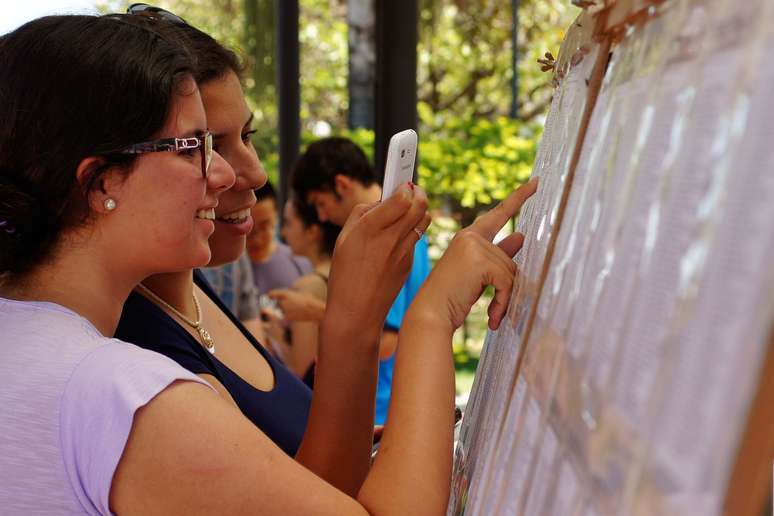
x=334, y=175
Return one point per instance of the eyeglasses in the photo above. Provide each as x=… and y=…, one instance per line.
x=203, y=143
x=154, y=13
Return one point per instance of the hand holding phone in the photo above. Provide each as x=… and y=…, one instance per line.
x=401, y=155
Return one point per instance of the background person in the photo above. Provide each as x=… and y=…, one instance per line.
x=334, y=175
x=233, y=283
x=274, y=264
x=306, y=236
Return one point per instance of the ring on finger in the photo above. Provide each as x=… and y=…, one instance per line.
x=419, y=232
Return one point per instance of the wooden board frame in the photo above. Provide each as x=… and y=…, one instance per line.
x=751, y=483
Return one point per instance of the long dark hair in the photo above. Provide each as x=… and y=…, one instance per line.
x=73, y=87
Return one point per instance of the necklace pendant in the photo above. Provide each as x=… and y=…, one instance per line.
x=206, y=340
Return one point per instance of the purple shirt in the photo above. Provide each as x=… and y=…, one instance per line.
x=68, y=398
x=281, y=270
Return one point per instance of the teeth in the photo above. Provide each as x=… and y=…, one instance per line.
x=237, y=215
x=206, y=214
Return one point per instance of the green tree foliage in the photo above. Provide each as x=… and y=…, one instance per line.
x=476, y=162
x=471, y=154
x=465, y=55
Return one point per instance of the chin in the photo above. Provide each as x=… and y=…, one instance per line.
x=226, y=251
x=204, y=258
x=200, y=260
x=225, y=247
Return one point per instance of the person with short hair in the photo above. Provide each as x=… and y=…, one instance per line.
x=334, y=175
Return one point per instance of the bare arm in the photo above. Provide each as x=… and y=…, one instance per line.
x=301, y=353
x=416, y=448
x=190, y=452
x=299, y=306
x=371, y=261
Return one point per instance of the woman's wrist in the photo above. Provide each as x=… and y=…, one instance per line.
x=317, y=310
x=427, y=316
x=343, y=328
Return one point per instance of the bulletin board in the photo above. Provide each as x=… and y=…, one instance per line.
x=634, y=372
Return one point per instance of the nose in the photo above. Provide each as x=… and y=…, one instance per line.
x=250, y=173
x=322, y=214
x=221, y=176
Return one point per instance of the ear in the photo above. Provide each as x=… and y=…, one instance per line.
x=343, y=185
x=98, y=189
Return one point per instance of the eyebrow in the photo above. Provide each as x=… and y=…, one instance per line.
x=192, y=133
x=216, y=136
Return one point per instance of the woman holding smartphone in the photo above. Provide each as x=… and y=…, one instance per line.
x=91, y=206
x=331, y=434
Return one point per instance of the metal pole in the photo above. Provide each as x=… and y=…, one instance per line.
x=289, y=92
x=397, y=35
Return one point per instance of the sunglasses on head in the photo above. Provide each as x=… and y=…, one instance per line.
x=203, y=142
x=155, y=13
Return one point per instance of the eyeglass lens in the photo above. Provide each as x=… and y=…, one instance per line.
x=206, y=154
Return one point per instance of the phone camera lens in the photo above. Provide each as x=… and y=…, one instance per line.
x=403, y=153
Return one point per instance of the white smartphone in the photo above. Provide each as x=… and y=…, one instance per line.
x=401, y=155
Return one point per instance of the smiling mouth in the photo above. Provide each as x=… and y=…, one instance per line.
x=236, y=217
x=206, y=214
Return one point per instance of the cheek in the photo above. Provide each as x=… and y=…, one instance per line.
x=173, y=209
x=160, y=222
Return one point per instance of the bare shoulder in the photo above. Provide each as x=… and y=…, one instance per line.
x=192, y=452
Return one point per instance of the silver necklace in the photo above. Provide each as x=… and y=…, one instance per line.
x=204, y=335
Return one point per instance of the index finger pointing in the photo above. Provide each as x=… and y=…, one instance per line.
x=491, y=222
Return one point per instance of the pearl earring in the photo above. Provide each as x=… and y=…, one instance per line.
x=110, y=204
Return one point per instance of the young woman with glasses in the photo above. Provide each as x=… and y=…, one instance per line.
x=91, y=424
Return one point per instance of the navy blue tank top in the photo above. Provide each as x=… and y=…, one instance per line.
x=281, y=413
